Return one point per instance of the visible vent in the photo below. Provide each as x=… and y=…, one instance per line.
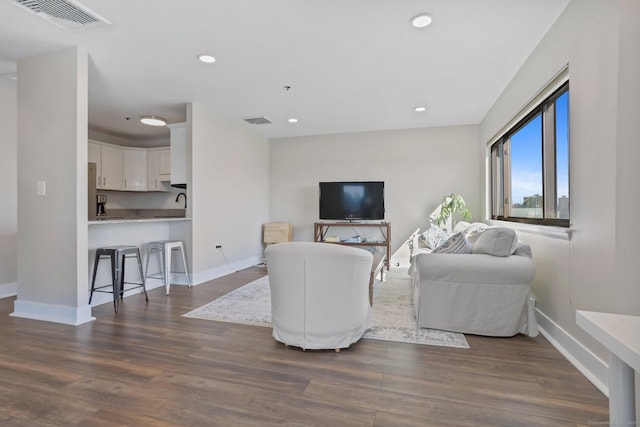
x=258, y=120
x=66, y=14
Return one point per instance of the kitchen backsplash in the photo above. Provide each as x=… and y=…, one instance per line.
x=144, y=213
x=131, y=200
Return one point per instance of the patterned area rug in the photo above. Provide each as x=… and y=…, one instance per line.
x=392, y=308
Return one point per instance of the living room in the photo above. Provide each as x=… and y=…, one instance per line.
x=590, y=266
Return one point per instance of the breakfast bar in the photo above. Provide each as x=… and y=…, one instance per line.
x=136, y=230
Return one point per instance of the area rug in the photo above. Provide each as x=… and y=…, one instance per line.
x=392, y=307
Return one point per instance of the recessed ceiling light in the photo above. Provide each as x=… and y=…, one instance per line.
x=421, y=21
x=420, y=109
x=153, y=121
x=292, y=120
x=207, y=59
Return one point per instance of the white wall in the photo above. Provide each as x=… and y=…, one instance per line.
x=52, y=147
x=228, y=193
x=596, y=269
x=627, y=267
x=418, y=166
x=9, y=193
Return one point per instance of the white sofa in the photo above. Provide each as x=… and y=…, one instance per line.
x=485, y=292
x=319, y=294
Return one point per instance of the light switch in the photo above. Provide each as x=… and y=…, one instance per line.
x=42, y=188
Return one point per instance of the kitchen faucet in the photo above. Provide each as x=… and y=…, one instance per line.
x=185, y=199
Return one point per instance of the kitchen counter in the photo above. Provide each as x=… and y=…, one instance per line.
x=121, y=216
x=135, y=228
x=114, y=220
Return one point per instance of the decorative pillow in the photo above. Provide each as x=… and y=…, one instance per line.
x=496, y=241
x=473, y=231
x=456, y=244
x=434, y=237
x=460, y=227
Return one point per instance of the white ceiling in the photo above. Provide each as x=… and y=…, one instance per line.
x=353, y=65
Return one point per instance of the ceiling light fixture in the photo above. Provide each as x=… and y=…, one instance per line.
x=292, y=120
x=153, y=121
x=420, y=109
x=207, y=59
x=421, y=21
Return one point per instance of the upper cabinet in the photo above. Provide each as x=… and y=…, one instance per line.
x=112, y=168
x=178, y=153
x=135, y=169
x=109, y=165
x=129, y=168
x=94, y=155
x=158, y=169
x=165, y=164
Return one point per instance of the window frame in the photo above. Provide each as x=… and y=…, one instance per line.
x=500, y=169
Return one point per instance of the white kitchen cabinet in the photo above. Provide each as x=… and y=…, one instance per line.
x=134, y=169
x=165, y=164
x=158, y=169
x=109, y=167
x=179, y=151
x=94, y=156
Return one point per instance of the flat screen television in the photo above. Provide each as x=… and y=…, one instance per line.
x=362, y=200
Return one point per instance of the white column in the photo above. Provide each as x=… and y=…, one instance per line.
x=52, y=187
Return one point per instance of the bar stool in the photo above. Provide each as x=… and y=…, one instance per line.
x=117, y=255
x=164, y=248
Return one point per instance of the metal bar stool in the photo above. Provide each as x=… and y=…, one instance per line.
x=164, y=249
x=117, y=255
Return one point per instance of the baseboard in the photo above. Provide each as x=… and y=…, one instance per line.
x=52, y=313
x=8, y=290
x=584, y=360
x=214, y=273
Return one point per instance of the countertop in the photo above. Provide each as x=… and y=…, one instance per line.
x=130, y=220
x=124, y=216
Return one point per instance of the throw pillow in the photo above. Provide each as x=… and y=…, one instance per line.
x=496, y=241
x=473, y=231
x=460, y=227
x=456, y=244
x=434, y=237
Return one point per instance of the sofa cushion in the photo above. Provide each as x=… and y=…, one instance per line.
x=456, y=244
x=523, y=249
x=472, y=231
x=496, y=241
x=460, y=227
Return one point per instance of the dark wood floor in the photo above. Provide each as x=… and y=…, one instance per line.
x=149, y=366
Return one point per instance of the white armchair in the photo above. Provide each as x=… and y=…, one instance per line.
x=319, y=294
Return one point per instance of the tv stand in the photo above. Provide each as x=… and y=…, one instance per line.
x=320, y=230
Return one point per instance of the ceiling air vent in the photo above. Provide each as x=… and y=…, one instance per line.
x=258, y=120
x=66, y=14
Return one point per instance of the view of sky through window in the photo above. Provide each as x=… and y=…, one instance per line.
x=562, y=144
x=526, y=161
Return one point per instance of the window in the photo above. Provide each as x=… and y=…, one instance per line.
x=530, y=165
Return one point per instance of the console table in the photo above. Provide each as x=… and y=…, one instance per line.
x=320, y=230
x=620, y=334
